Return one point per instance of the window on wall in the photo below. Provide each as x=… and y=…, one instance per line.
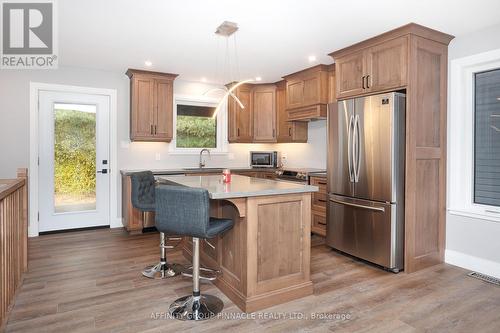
x=487, y=138
x=474, y=137
x=196, y=127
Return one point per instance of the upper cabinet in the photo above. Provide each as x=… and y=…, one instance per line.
x=307, y=93
x=264, y=118
x=240, y=120
x=372, y=69
x=151, y=105
x=288, y=131
x=264, y=113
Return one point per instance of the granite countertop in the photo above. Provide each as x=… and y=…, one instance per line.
x=179, y=171
x=239, y=187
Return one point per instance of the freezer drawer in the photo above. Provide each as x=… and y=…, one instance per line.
x=366, y=229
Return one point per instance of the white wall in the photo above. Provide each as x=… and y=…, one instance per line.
x=473, y=243
x=14, y=126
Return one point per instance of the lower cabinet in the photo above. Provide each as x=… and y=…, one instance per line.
x=318, y=206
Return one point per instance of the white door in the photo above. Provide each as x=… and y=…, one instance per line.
x=73, y=160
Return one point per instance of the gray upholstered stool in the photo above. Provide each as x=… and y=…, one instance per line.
x=185, y=211
x=143, y=199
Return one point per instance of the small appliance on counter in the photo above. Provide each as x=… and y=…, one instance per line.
x=264, y=159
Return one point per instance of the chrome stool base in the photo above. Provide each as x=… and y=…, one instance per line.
x=196, y=307
x=162, y=271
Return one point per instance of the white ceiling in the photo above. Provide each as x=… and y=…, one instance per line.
x=275, y=37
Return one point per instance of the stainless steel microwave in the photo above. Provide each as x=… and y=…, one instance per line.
x=264, y=159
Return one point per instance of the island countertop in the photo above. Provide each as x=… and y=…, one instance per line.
x=239, y=187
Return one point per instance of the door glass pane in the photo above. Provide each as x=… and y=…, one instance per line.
x=74, y=157
x=196, y=127
x=487, y=138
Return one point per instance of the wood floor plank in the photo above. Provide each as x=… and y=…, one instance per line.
x=90, y=281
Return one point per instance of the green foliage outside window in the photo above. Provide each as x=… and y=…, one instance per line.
x=196, y=132
x=75, y=154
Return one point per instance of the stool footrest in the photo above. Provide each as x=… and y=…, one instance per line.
x=211, y=274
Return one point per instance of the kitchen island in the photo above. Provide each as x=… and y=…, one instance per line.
x=264, y=259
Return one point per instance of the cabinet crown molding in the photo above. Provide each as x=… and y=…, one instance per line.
x=132, y=72
x=316, y=68
x=410, y=28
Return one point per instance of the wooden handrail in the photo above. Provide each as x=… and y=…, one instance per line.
x=13, y=239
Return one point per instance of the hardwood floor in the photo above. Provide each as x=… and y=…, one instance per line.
x=90, y=281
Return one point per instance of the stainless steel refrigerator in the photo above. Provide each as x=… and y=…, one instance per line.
x=366, y=149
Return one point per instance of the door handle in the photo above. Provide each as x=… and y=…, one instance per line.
x=355, y=148
x=103, y=171
x=349, y=149
x=378, y=209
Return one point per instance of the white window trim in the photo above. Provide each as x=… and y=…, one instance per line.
x=222, y=143
x=460, y=136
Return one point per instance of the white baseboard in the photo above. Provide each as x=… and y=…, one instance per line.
x=472, y=263
x=116, y=223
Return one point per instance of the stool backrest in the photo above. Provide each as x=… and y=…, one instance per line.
x=143, y=190
x=183, y=211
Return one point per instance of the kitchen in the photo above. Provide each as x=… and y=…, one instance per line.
x=322, y=190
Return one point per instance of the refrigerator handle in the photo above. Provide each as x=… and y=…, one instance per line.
x=349, y=149
x=355, y=148
x=378, y=209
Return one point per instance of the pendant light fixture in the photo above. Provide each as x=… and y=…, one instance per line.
x=228, y=77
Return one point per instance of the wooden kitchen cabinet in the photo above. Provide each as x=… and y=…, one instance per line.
x=376, y=68
x=307, y=94
x=412, y=59
x=240, y=121
x=318, y=206
x=264, y=113
x=287, y=131
x=151, y=105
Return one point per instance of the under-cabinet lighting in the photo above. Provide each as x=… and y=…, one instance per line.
x=312, y=58
x=148, y=63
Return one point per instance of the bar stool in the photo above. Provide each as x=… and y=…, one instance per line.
x=185, y=211
x=143, y=199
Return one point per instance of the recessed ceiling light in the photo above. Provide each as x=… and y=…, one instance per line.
x=498, y=98
x=148, y=63
x=312, y=58
x=258, y=78
x=203, y=79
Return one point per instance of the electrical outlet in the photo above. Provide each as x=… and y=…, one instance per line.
x=284, y=156
x=158, y=156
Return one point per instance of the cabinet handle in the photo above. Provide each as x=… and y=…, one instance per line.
x=363, y=82
x=321, y=200
x=155, y=129
x=274, y=131
x=151, y=130
x=238, y=132
x=367, y=81
x=321, y=183
x=289, y=131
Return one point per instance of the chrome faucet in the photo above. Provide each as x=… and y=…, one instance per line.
x=202, y=162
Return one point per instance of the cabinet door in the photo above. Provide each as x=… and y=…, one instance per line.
x=386, y=65
x=294, y=93
x=283, y=126
x=164, y=110
x=264, y=113
x=349, y=72
x=312, y=90
x=142, y=110
x=240, y=120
